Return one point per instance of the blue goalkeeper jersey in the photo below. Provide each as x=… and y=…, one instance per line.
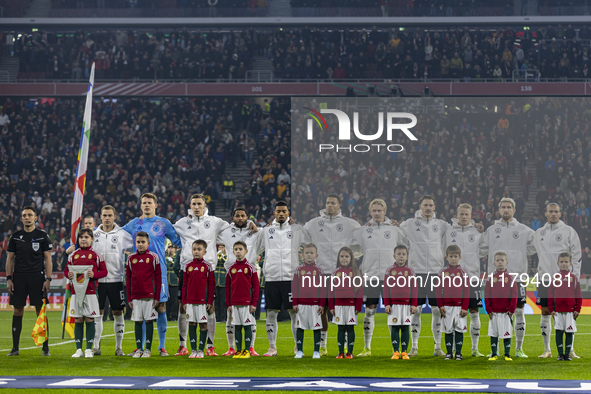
x=159, y=229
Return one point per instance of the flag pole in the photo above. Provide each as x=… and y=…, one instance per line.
x=80, y=182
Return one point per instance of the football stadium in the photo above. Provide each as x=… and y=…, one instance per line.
x=295, y=195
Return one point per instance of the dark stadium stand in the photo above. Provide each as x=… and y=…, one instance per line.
x=540, y=53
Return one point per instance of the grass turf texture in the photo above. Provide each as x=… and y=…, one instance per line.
x=30, y=362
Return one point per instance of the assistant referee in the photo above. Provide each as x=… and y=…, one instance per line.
x=28, y=272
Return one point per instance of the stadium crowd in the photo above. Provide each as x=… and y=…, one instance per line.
x=464, y=157
x=460, y=53
x=138, y=146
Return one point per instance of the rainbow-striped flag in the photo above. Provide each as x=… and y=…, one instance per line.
x=40, y=330
x=80, y=184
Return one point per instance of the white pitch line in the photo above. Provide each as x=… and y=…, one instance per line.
x=70, y=341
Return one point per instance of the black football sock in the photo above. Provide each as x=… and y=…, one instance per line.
x=341, y=339
x=17, y=327
x=79, y=334
x=149, y=334
x=568, y=343
x=139, y=333
x=405, y=338
x=395, y=337
x=560, y=341
x=449, y=342
x=494, y=346
x=459, y=342
x=507, y=342
x=247, y=337
x=193, y=336
x=317, y=339
x=300, y=339
x=90, y=331
x=238, y=337
x=350, y=338
x=202, y=338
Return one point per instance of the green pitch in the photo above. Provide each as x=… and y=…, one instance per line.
x=30, y=362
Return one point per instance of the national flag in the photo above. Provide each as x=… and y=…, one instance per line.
x=67, y=320
x=80, y=183
x=40, y=330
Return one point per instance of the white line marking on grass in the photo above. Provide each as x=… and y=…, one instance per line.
x=70, y=341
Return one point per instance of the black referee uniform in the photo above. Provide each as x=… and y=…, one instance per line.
x=28, y=275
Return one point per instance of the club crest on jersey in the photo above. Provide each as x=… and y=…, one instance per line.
x=405, y=273
x=233, y=230
x=72, y=312
x=495, y=280
x=155, y=229
x=76, y=257
x=393, y=272
x=90, y=255
x=515, y=234
x=320, y=223
x=435, y=229
x=417, y=223
x=289, y=235
x=337, y=319
x=543, y=232
x=303, y=272
x=115, y=239
x=96, y=235
x=498, y=230
x=233, y=270
x=394, y=320
x=148, y=260
x=246, y=270
x=207, y=224
x=369, y=230
x=338, y=275
x=558, y=237
x=350, y=274
x=339, y=227
x=454, y=234
x=190, y=269
x=187, y=315
x=471, y=238
x=134, y=261
x=202, y=269
x=387, y=234
x=272, y=230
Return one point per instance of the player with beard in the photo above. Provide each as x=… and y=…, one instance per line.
x=554, y=238
x=516, y=241
x=276, y=241
x=238, y=230
x=330, y=232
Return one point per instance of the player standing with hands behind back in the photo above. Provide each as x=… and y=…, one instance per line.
x=144, y=281
x=242, y=296
x=198, y=290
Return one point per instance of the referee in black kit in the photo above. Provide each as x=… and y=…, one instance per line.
x=28, y=272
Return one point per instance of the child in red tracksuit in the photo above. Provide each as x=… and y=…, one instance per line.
x=144, y=281
x=345, y=299
x=198, y=290
x=242, y=296
x=500, y=295
x=564, y=302
x=85, y=255
x=307, y=294
x=453, y=299
x=400, y=298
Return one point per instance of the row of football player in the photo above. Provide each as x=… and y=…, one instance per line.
x=506, y=235
x=242, y=290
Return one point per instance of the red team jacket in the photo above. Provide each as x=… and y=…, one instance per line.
x=198, y=283
x=567, y=296
x=401, y=292
x=144, y=277
x=345, y=295
x=88, y=256
x=309, y=291
x=242, y=284
x=499, y=295
x=450, y=294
